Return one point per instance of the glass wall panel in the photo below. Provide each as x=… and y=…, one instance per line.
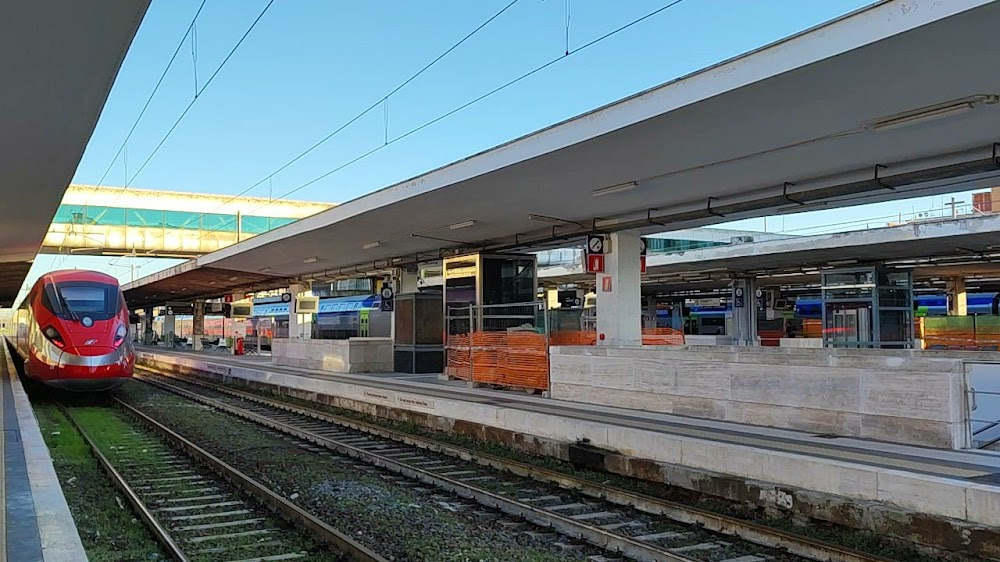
x=144, y=218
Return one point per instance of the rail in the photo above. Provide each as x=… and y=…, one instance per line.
x=288, y=510
x=319, y=531
x=161, y=535
x=632, y=546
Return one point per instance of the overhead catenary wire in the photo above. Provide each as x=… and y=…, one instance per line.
x=451, y=112
x=149, y=100
x=383, y=101
x=194, y=100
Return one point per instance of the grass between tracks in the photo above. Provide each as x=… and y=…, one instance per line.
x=401, y=523
x=107, y=528
x=861, y=540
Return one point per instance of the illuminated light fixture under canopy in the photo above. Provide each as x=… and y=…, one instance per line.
x=551, y=220
x=463, y=224
x=931, y=112
x=618, y=188
x=371, y=245
x=313, y=259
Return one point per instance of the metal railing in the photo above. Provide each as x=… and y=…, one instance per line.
x=984, y=428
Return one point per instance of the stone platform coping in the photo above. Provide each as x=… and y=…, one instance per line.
x=865, y=451
x=959, y=485
x=57, y=535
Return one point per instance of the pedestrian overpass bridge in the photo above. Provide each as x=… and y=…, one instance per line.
x=115, y=221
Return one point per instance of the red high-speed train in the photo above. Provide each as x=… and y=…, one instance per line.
x=72, y=331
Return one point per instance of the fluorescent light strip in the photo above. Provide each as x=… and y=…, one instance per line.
x=627, y=186
x=463, y=224
x=933, y=112
x=371, y=245
x=310, y=260
x=543, y=218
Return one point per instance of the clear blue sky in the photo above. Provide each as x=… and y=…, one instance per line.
x=310, y=65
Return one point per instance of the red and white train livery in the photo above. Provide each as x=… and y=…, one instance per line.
x=72, y=331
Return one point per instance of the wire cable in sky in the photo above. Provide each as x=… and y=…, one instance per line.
x=451, y=112
x=149, y=100
x=383, y=100
x=193, y=101
x=474, y=101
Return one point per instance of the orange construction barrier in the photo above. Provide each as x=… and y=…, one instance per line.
x=510, y=359
x=662, y=336
x=573, y=337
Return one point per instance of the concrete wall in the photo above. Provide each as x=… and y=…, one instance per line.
x=904, y=396
x=888, y=501
x=354, y=355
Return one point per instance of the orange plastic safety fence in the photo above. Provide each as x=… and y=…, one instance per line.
x=512, y=359
x=662, y=336
x=573, y=337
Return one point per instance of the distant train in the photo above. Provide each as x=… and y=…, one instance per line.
x=711, y=320
x=72, y=331
x=338, y=317
x=978, y=304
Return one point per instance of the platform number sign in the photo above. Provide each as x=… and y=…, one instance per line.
x=738, y=297
x=759, y=299
x=388, y=299
x=595, y=253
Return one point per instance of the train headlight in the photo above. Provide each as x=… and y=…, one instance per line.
x=55, y=337
x=120, y=334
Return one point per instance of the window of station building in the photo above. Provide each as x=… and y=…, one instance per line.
x=217, y=223
x=668, y=245
x=144, y=218
x=180, y=219
x=255, y=225
x=151, y=218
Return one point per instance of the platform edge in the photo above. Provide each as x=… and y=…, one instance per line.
x=52, y=513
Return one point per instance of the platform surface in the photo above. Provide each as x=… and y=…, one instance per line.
x=981, y=467
x=35, y=521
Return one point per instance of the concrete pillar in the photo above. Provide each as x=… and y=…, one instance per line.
x=619, y=299
x=198, y=325
x=957, y=303
x=677, y=316
x=649, y=317
x=772, y=297
x=168, y=330
x=744, y=311
x=147, y=326
x=293, y=319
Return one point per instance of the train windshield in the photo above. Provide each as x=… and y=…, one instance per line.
x=74, y=300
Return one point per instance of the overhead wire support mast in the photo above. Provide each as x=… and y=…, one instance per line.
x=472, y=102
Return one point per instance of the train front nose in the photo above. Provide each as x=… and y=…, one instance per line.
x=102, y=368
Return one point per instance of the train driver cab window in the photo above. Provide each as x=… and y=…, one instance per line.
x=100, y=301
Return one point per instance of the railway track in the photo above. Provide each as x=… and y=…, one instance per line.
x=636, y=526
x=201, y=509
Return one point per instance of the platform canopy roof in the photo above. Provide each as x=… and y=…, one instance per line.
x=894, y=100
x=934, y=250
x=58, y=64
